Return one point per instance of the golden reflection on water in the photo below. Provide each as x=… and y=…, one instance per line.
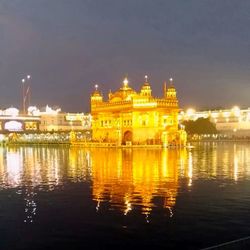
x=126, y=179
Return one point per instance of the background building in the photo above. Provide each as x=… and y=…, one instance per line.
x=11, y=121
x=55, y=120
x=47, y=119
x=232, y=122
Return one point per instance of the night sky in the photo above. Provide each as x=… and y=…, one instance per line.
x=68, y=46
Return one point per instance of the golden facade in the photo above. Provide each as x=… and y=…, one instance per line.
x=137, y=118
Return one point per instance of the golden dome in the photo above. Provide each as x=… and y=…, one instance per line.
x=124, y=93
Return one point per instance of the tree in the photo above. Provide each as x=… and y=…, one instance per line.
x=200, y=126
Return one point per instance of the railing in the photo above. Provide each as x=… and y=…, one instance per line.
x=129, y=104
x=242, y=243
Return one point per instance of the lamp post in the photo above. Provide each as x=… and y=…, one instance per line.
x=23, y=101
x=29, y=88
x=25, y=92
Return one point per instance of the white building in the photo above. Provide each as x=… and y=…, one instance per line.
x=47, y=120
x=233, y=121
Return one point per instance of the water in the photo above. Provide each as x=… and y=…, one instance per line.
x=75, y=198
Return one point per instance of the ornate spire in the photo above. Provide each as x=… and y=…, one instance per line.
x=171, y=92
x=146, y=89
x=146, y=83
x=171, y=81
x=96, y=91
x=110, y=94
x=125, y=82
x=171, y=84
x=165, y=89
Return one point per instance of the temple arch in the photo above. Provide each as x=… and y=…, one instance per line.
x=127, y=137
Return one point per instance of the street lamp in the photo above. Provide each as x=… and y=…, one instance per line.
x=23, y=101
x=25, y=92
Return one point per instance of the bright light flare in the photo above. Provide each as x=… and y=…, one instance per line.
x=190, y=111
x=236, y=111
x=125, y=81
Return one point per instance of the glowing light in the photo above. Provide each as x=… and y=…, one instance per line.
x=11, y=112
x=190, y=111
x=235, y=108
x=125, y=81
x=146, y=78
x=28, y=76
x=96, y=87
x=13, y=126
x=236, y=164
x=171, y=79
x=14, y=168
x=214, y=115
x=236, y=111
x=23, y=80
x=33, y=110
x=190, y=169
x=149, y=104
x=50, y=111
x=128, y=206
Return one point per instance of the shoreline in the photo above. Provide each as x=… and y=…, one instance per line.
x=114, y=145
x=89, y=145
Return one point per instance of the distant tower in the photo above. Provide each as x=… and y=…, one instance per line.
x=146, y=89
x=125, y=82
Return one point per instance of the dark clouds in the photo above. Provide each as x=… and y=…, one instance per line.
x=67, y=46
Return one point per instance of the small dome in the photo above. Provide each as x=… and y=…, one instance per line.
x=146, y=89
x=96, y=92
x=171, y=84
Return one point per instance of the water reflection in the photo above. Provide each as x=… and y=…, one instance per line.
x=125, y=179
x=224, y=161
x=128, y=178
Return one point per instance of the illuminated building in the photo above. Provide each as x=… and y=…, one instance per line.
x=11, y=121
x=40, y=121
x=55, y=120
x=132, y=118
x=233, y=121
